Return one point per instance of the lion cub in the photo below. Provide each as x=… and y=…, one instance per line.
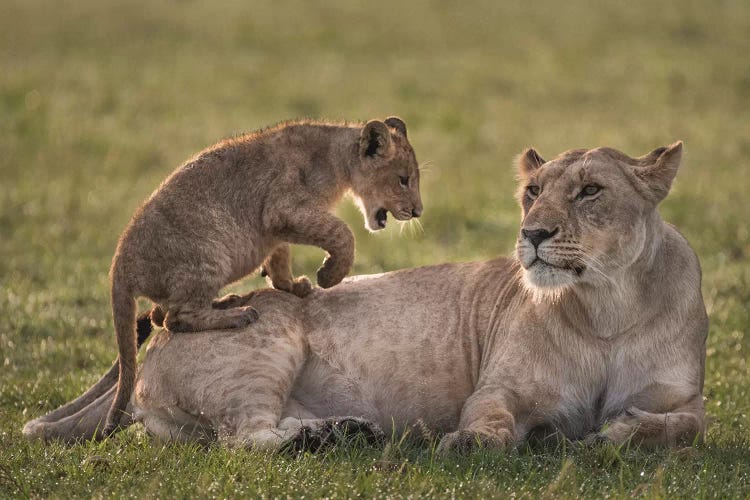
x=237, y=206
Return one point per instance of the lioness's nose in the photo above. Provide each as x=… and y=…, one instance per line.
x=416, y=212
x=537, y=236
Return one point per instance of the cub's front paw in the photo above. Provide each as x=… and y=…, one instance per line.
x=464, y=441
x=328, y=277
x=302, y=286
x=246, y=316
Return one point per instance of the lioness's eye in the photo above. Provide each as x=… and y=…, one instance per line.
x=532, y=191
x=404, y=181
x=589, y=190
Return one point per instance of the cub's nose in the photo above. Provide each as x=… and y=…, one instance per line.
x=416, y=212
x=537, y=236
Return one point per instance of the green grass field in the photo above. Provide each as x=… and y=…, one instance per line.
x=101, y=100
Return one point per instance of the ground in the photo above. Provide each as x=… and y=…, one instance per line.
x=101, y=100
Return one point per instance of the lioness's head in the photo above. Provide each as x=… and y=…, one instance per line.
x=587, y=213
x=387, y=179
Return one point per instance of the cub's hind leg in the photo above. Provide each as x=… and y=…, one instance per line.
x=278, y=267
x=191, y=311
x=194, y=317
x=232, y=300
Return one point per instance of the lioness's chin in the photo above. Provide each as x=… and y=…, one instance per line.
x=543, y=275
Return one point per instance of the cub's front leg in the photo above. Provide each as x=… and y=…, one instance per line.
x=278, y=267
x=328, y=232
x=487, y=421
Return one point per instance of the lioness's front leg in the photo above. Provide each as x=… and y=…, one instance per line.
x=278, y=267
x=486, y=421
x=327, y=232
x=683, y=425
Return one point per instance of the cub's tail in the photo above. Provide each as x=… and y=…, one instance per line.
x=123, y=314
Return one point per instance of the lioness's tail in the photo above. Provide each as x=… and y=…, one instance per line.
x=86, y=423
x=123, y=314
x=83, y=418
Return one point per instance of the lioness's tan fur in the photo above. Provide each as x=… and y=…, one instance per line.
x=604, y=340
x=242, y=201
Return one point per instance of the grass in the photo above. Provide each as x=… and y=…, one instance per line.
x=100, y=100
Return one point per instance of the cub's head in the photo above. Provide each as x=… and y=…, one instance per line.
x=588, y=214
x=387, y=179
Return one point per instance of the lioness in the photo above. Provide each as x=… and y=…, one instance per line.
x=595, y=330
x=240, y=203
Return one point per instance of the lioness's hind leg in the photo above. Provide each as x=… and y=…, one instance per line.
x=256, y=391
x=252, y=421
x=175, y=425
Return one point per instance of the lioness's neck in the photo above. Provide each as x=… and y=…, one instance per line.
x=620, y=302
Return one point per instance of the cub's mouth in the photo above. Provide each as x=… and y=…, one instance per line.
x=381, y=217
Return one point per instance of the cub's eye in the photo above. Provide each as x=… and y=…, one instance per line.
x=533, y=191
x=404, y=181
x=589, y=190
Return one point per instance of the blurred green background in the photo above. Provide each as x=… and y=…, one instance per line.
x=99, y=101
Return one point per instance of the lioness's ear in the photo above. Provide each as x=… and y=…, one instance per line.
x=397, y=123
x=528, y=162
x=659, y=169
x=374, y=140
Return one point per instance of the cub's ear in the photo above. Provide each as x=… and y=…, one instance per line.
x=528, y=162
x=397, y=123
x=659, y=168
x=374, y=140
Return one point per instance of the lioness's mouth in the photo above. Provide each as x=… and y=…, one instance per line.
x=577, y=269
x=381, y=216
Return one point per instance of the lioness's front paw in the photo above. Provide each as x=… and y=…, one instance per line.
x=464, y=441
x=622, y=428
